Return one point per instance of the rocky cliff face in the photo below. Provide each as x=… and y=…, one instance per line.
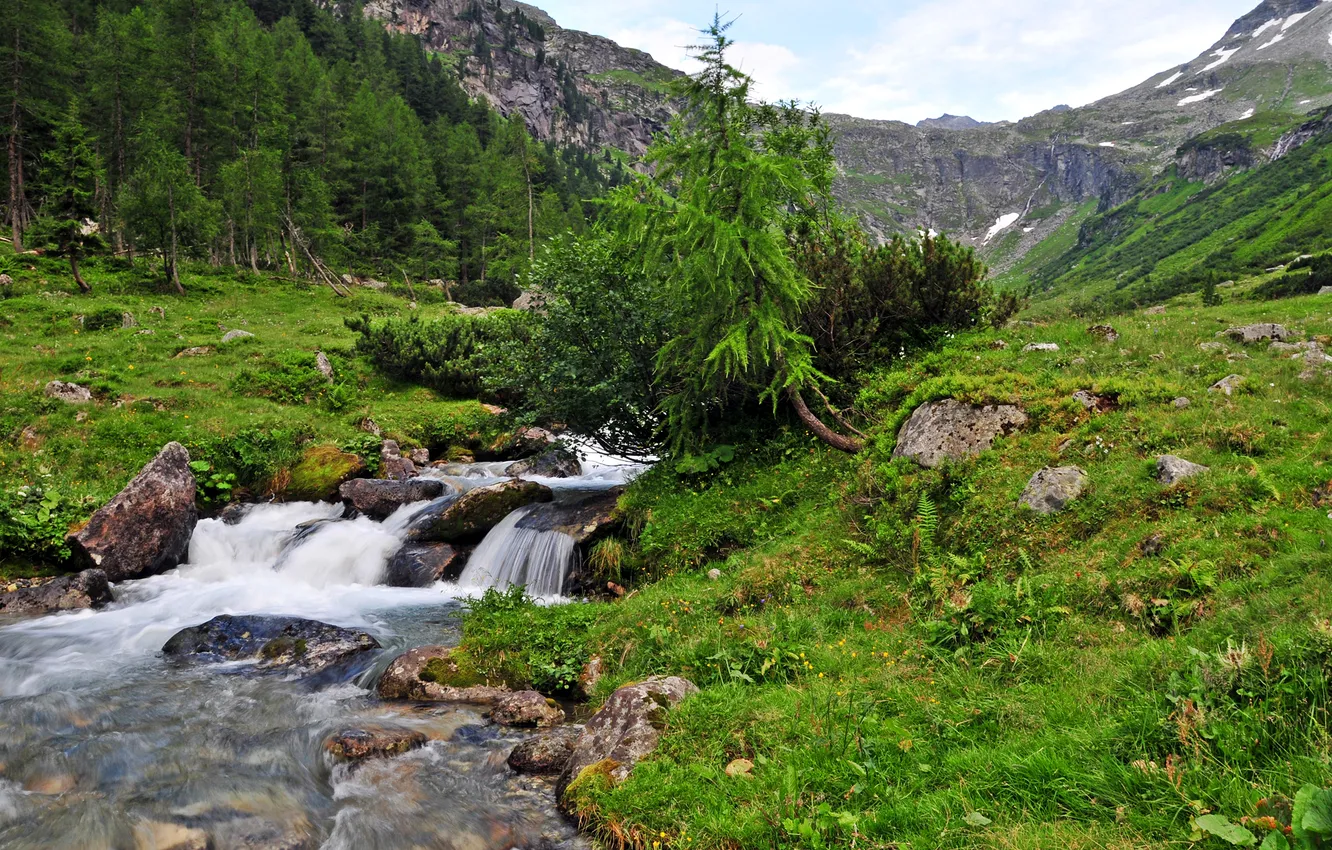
x=570, y=87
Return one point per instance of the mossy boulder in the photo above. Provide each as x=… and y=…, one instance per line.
x=291, y=644
x=437, y=674
x=319, y=473
x=478, y=511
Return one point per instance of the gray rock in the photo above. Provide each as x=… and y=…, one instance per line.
x=1249, y=334
x=394, y=465
x=1041, y=346
x=419, y=457
x=626, y=729
x=88, y=589
x=1105, y=332
x=545, y=754
x=423, y=564
x=1227, y=385
x=556, y=463
x=1097, y=403
x=232, y=336
x=127, y=321
x=371, y=283
x=196, y=351
x=377, y=497
x=1170, y=470
x=1050, y=490
x=531, y=301
x=403, y=679
x=714, y=574
x=953, y=430
x=306, y=647
x=1182, y=402
x=146, y=528
x=1326, y=290
x=467, y=519
x=1212, y=346
x=68, y=393
x=527, y=710
x=325, y=368
x=6, y=281
x=1158, y=310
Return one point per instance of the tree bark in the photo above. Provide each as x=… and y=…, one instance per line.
x=175, y=272
x=15, y=153
x=78, y=278
x=820, y=430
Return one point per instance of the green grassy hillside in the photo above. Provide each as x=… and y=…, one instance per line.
x=909, y=659
x=1155, y=246
x=251, y=407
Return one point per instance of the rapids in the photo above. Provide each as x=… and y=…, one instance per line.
x=102, y=742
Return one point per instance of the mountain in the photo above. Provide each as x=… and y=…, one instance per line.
x=1008, y=187
x=569, y=86
x=951, y=122
x=1019, y=191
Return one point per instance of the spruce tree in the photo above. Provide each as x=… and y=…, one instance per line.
x=70, y=175
x=731, y=182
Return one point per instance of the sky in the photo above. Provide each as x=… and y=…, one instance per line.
x=912, y=59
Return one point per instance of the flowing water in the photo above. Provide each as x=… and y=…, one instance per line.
x=103, y=745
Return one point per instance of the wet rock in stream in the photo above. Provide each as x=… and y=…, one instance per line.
x=283, y=643
x=372, y=742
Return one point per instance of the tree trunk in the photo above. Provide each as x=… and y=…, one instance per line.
x=175, y=272
x=15, y=153
x=820, y=430
x=531, y=210
x=78, y=278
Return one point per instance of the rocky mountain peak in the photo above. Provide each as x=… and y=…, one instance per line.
x=951, y=122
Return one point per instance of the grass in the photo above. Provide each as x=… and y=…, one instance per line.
x=909, y=659
x=251, y=407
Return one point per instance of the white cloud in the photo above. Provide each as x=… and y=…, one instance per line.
x=912, y=59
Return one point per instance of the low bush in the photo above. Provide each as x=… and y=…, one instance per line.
x=447, y=354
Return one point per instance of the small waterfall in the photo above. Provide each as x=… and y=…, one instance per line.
x=537, y=560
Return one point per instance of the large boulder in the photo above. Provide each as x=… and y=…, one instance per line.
x=377, y=498
x=478, y=511
x=1249, y=334
x=430, y=674
x=1229, y=385
x=953, y=430
x=583, y=519
x=145, y=529
x=526, y=709
x=626, y=729
x=88, y=589
x=546, y=754
x=1170, y=470
x=556, y=463
x=1050, y=490
x=423, y=564
x=394, y=465
x=280, y=643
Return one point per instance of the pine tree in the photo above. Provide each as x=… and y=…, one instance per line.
x=33, y=56
x=69, y=178
x=730, y=182
x=163, y=207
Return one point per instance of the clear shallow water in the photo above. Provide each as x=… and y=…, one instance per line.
x=100, y=737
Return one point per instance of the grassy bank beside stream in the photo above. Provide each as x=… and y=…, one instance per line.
x=906, y=658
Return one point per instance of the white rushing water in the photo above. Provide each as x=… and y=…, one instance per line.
x=538, y=560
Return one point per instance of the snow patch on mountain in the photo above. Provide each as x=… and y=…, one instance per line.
x=1248, y=113
x=1199, y=98
x=1169, y=80
x=1225, y=57
x=1279, y=37
x=1293, y=20
x=1003, y=223
x=1265, y=27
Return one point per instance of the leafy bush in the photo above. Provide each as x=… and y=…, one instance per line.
x=510, y=638
x=1291, y=285
x=34, y=521
x=447, y=354
x=105, y=318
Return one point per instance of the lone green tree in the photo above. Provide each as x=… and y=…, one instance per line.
x=164, y=209
x=733, y=186
x=70, y=174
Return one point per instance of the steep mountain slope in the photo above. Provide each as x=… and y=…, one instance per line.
x=1030, y=177
x=569, y=86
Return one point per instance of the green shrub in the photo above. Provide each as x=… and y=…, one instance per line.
x=446, y=354
x=508, y=637
x=34, y=521
x=105, y=318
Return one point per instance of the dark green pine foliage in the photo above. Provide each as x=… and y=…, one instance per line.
x=280, y=135
x=70, y=175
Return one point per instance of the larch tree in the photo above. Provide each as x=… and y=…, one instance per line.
x=70, y=174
